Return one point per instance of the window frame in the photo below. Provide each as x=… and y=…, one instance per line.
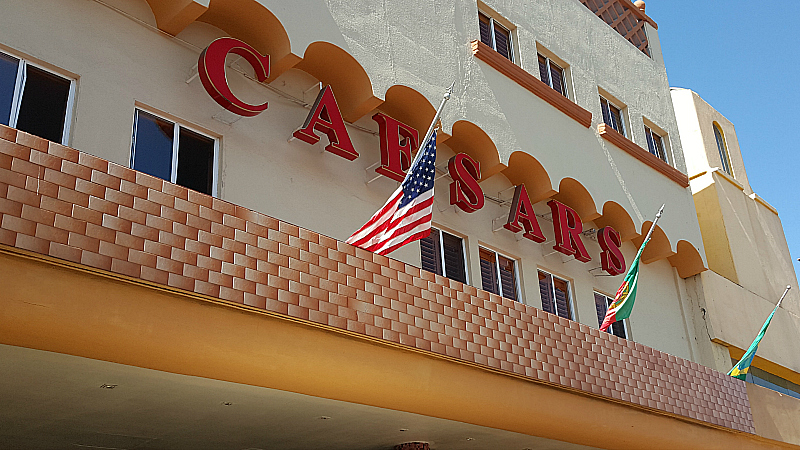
x=517, y=284
x=464, y=250
x=609, y=299
x=648, y=133
x=549, y=62
x=177, y=126
x=19, y=93
x=610, y=103
x=722, y=148
x=570, y=302
x=492, y=23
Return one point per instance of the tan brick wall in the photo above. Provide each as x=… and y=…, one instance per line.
x=64, y=203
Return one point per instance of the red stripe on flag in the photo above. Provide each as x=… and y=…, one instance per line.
x=406, y=223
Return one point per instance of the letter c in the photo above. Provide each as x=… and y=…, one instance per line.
x=211, y=68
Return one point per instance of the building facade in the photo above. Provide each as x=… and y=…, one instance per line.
x=748, y=257
x=178, y=178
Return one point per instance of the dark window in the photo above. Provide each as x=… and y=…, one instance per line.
x=174, y=153
x=34, y=100
x=44, y=104
x=485, y=25
x=431, y=249
x=555, y=295
x=498, y=274
x=502, y=41
x=443, y=254
x=552, y=75
x=601, y=304
x=195, y=161
x=9, y=66
x=655, y=144
x=723, y=149
x=496, y=36
x=612, y=116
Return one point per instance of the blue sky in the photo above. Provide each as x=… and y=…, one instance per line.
x=743, y=58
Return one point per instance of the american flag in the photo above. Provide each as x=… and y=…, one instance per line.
x=406, y=216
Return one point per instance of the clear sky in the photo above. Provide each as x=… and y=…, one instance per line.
x=743, y=58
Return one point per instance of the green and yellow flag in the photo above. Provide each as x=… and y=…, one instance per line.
x=743, y=366
x=622, y=305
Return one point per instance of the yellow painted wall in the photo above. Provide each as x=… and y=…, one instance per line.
x=713, y=229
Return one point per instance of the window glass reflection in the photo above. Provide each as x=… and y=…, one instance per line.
x=152, y=145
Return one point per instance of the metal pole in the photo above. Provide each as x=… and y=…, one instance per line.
x=653, y=226
x=435, y=119
x=786, y=291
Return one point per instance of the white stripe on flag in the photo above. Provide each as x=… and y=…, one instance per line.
x=377, y=221
x=398, y=220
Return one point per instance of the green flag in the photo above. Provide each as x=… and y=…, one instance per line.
x=626, y=294
x=622, y=305
x=743, y=366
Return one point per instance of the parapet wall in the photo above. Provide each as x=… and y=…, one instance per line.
x=60, y=202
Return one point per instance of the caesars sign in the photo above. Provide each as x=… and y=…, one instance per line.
x=397, y=140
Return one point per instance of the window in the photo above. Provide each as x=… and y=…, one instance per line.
x=496, y=36
x=722, y=148
x=552, y=75
x=498, y=274
x=35, y=100
x=601, y=304
x=443, y=254
x=612, y=116
x=655, y=144
x=174, y=153
x=765, y=379
x=555, y=294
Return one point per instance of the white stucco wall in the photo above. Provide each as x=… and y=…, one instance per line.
x=696, y=121
x=121, y=62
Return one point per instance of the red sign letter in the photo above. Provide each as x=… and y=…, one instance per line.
x=568, y=227
x=325, y=117
x=211, y=68
x=395, y=155
x=465, y=192
x=611, y=257
x=522, y=216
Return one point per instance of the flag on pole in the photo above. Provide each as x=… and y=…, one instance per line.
x=743, y=366
x=622, y=305
x=406, y=216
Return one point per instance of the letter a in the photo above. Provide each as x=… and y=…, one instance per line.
x=521, y=216
x=325, y=117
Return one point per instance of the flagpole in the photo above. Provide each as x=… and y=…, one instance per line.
x=653, y=226
x=786, y=291
x=740, y=369
x=435, y=119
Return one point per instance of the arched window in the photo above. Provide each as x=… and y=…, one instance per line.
x=723, y=150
